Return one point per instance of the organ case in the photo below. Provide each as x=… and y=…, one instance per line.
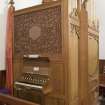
x=50, y=30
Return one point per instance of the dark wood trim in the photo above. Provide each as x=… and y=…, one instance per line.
x=9, y=100
x=101, y=66
x=2, y=78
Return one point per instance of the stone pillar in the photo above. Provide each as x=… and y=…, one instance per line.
x=83, y=57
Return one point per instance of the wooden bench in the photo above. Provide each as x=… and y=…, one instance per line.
x=9, y=100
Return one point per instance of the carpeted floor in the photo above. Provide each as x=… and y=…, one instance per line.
x=102, y=103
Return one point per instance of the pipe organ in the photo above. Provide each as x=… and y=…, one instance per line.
x=49, y=36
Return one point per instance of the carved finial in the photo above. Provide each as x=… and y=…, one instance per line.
x=78, y=5
x=11, y=2
x=85, y=3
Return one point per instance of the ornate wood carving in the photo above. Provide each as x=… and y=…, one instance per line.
x=92, y=56
x=93, y=84
x=38, y=32
x=74, y=14
x=76, y=28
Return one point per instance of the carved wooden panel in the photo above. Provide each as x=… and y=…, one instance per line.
x=58, y=78
x=38, y=32
x=18, y=67
x=92, y=57
x=54, y=101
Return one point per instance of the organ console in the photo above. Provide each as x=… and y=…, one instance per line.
x=52, y=30
x=34, y=83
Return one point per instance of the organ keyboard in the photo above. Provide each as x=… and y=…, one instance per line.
x=28, y=85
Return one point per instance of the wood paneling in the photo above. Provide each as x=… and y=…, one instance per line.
x=2, y=78
x=101, y=66
x=18, y=66
x=58, y=78
x=9, y=100
x=102, y=77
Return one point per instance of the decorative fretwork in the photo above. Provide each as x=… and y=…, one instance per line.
x=76, y=28
x=74, y=17
x=96, y=37
x=39, y=32
x=93, y=83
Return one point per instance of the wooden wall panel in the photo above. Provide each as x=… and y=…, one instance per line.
x=102, y=72
x=58, y=78
x=17, y=66
x=101, y=66
x=54, y=101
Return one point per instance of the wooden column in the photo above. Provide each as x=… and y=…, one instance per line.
x=78, y=4
x=83, y=57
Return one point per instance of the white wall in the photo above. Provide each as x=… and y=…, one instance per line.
x=100, y=8
x=3, y=13
x=19, y=4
